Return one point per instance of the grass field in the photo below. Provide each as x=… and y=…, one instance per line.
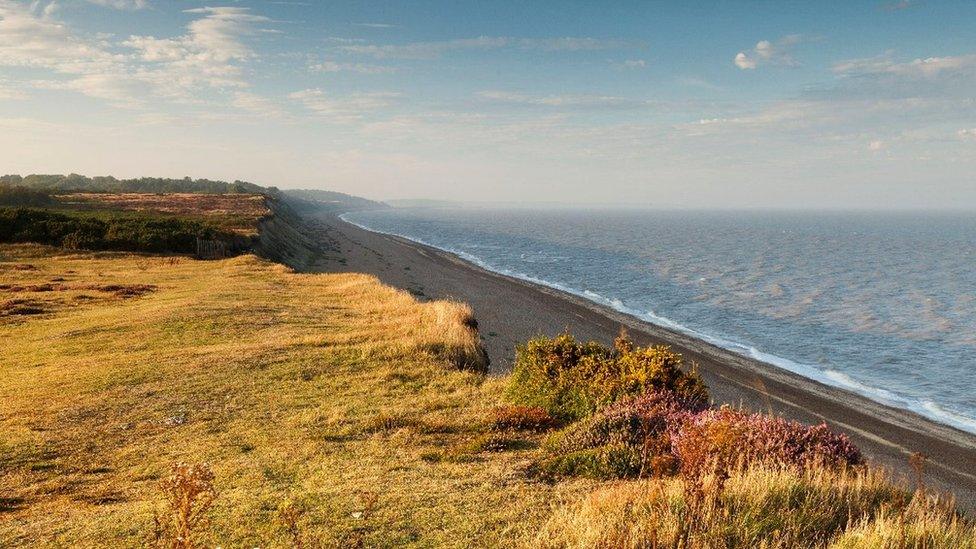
x=331, y=397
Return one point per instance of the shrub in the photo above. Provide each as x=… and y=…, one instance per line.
x=717, y=440
x=571, y=380
x=521, y=418
x=661, y=433
x=631, y=438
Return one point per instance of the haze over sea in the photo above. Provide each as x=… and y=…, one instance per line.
x=883, y=304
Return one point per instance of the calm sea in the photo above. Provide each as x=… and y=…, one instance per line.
x=883, y=304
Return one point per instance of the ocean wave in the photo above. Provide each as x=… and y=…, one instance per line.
x=833, y=378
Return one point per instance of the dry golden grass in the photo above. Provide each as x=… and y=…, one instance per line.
x=327, y=407
x=760, y=507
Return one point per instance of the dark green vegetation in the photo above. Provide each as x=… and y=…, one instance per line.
x=105, y=230
x=75, y=182
x=141, y=215
x=22, y=196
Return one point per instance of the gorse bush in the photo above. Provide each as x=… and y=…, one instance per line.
x=571, y=380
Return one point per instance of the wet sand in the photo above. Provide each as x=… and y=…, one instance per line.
x=511, y=310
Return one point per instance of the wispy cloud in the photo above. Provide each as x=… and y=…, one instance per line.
x=768, y=53
x=8, y=93
x=430, y=50
x=929, y=67
x=884, y=77
x=631, y=64
x=256, y=104
x=570, y=101
x=122, y=4
x=342, y=108
x=133, y=71
x=360, y=68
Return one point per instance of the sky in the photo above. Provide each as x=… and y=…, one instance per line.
x=668, y=104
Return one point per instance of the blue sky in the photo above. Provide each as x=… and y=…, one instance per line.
x=724, y=104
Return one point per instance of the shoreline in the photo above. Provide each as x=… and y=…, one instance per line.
x=511, y=309
x=810, y=373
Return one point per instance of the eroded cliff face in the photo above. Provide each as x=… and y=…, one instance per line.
x=284, y=236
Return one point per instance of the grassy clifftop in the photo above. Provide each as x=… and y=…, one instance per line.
x=331, y=395
x=239, y=404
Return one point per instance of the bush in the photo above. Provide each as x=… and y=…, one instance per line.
x=571, y=380
x=717, y=440
x=660, y=433
x=631, y=438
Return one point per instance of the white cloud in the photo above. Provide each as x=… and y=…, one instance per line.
x=768, y=53
x=38, y=41
x=361, y=68
x=743, y=61
x=876, y=145
x=207, y=56
x=967, y=133
x=343, y=108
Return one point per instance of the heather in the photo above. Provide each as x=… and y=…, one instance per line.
x=659, y=433
x=571, y=380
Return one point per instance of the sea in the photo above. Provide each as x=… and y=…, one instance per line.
x=881, y=304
